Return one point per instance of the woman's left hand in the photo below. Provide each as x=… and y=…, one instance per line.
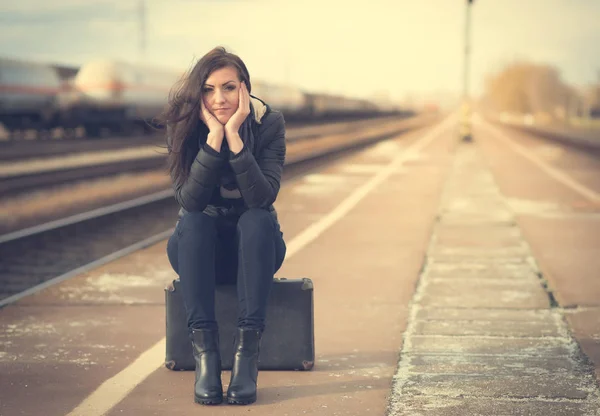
x=232, y=126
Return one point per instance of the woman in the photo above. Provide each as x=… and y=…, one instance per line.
x=226, y=155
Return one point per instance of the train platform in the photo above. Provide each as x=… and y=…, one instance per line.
x=449, y=278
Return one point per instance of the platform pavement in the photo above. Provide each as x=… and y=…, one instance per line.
x=554, y=192
x=483, y=338
x=465, y=350
x=95, y=344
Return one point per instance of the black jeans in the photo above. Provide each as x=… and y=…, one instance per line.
x=205, y=251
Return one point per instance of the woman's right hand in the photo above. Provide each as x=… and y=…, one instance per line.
x=214, y=125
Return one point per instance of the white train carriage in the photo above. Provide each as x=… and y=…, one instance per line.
x=123, y=97
x=117, y=96
x=28, y=94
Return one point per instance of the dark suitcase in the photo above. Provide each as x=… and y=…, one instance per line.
x=287, y=342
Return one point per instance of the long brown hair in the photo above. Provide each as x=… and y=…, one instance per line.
x=184, y=128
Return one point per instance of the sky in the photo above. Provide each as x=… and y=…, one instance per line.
x=372, y=49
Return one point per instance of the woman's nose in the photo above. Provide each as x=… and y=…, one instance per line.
x=219, y=96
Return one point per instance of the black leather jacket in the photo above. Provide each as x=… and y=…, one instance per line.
x=221, y=184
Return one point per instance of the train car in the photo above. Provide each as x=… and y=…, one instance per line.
x=291, y=101
x=28, y=94
x=116, y=96
x=331, y=106
x=121, y=97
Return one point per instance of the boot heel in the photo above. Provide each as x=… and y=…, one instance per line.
x=248, y=400
x=202, y=400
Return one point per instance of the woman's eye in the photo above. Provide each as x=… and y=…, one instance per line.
x=205, y=90
x=230, y=87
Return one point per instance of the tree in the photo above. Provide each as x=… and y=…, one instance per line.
x=524, y=87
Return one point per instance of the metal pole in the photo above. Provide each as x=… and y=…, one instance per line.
x=466, y=101
x=467, y=51
x=142, y=17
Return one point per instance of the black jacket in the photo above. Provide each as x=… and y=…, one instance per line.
x=222, y=184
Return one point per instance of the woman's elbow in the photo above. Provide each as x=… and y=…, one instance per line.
x=189, y=204
x=265, y=201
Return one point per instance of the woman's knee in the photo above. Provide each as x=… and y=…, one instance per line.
x=172, y=252
x=256, y=220
x=196, y=220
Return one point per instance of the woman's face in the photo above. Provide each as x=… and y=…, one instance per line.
x=220, y=93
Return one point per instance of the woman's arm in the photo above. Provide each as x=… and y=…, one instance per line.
x=194, y=194
x=259, y=177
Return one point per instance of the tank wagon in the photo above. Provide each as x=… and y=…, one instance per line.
x=28, y=93
x=115, y=96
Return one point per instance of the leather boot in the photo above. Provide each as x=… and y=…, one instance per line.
x=207, y=388
x=244, y=371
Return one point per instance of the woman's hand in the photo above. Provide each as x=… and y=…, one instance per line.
x=232, y=127
x=214, y=126
x=216, y=130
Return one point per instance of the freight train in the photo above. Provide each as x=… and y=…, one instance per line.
x=117, y=97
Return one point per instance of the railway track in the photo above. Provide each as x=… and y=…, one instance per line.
x=11, y=151
x=14, y=150
x=12, y=185
x=37, y=257
x=586, y=139
x=52, y=252
x=27, y=175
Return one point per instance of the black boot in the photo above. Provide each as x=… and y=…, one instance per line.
x=207, y=388
x=244, y=371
